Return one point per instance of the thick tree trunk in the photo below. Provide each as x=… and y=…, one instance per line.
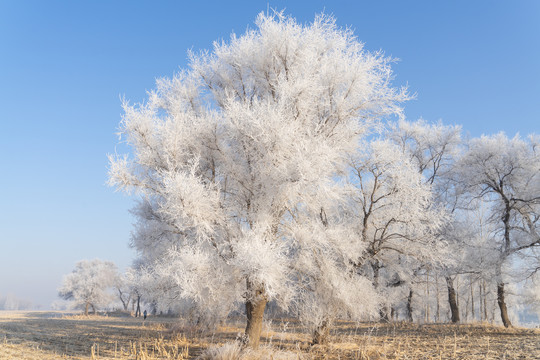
x=452, y=301
x=86, y=306
x=409, y=306
x=255, y=305
x=502, y=305
x=321, y=334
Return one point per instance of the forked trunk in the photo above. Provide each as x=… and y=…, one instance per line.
x=125, y=303
x=86, y=308
x=502, y=305
x=255, y=305
x=452, y=299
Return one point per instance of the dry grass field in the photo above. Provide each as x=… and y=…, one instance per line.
x=53, y=335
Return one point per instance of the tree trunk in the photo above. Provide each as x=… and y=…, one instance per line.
x=485, y=300
x=502, y=305
x=93, y=309
x=472, y=299
x=481, y=302
x=375, y=267
x=457, y=291
x=409, y=306
x=438, y=309
x=500, y=284
x=452, y=301
x=255, y=305
x=427, y=297
x=125, y=303
x=86, y=308
x=321, y=334
x=138, y=311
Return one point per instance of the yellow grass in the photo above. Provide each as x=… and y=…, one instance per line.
x=54, y=335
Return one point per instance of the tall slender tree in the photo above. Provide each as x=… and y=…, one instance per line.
x=433, y=148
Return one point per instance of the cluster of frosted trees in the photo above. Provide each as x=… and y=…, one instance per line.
x=11, y=302
x=97, y=284
x=269, y=172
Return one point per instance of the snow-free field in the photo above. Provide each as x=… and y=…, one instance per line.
x=53, y=335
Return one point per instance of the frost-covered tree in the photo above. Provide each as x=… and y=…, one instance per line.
x=127, y=289
x=397, y=222
x=504, y=173
x=237, y=158
x=433, y=149
x=89, y=284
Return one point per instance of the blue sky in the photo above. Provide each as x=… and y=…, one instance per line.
x=65, y=64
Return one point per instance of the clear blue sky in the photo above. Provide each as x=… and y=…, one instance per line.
x=65, y=64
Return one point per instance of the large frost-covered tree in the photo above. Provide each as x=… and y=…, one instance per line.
x=237, y=159
x=89, y=283
x=505, y=174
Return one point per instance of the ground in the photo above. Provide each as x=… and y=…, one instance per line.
x=55, y=335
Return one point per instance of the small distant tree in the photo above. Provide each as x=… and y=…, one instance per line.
x=132, y=282
x=89, y=283
x=129, y=289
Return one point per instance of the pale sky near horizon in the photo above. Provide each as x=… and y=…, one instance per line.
x=64, y=66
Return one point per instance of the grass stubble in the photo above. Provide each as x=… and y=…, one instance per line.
x=55, y=335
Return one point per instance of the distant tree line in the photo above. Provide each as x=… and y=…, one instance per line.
x=11, y=302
